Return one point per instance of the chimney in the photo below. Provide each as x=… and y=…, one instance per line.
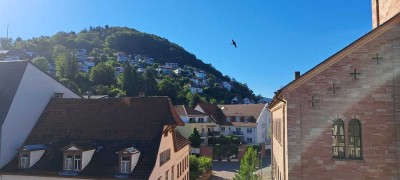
x=58, y=95
x=296, y=75
x=141, y=94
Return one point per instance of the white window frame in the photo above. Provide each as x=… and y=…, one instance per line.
x=77, y=162
x=24, y=160
x=125, y=165
x=69, y=162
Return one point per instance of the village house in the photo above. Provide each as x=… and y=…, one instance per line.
x=192, y=118
x=194, y=88
x=341, y=119
x=248, y=121
x=128, y=138
x=227, y=85
x=85, y=65
x=24, y=93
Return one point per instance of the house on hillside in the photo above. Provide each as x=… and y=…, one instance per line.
x=15, y=55
x=24, y=93
x=81, y=55
x=171, y=65
x=248, y=121
x=118, y=138
x=227, y=85
x=194, y=88
x=85, y=66
x=199, y=82
x=122, y=57
x=200, y=74
x=248, y=101
x=235, y=100
x=340, y=120
x=192, y=118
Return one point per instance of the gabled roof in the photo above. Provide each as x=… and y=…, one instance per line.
x=82, y=146
x=185, y=110
x=242, y=110
x=11, y=73
x=373, y=34
x=214, y=112
x=109, y=124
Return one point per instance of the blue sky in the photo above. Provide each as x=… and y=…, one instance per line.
x=274, y=38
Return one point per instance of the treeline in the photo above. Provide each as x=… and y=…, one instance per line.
x=102, y=43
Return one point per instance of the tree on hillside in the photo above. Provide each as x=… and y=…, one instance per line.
x=102, y=74
x=195, y=139
x=66, y=66
x=6, y=44
x=248, y=165
x=41, y=62
x=167, y=88
x=127, y=83
x=149, y=81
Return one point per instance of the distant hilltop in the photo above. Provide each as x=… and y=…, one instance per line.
x=120, y=61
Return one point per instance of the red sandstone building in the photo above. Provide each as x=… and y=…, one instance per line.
x=341, y=119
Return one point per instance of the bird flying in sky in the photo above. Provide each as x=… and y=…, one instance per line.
x=234, y=43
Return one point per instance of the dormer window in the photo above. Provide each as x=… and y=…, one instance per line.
x=128, y=159
x=73, y=162
x=228, y=119
x=77, y=156
x=125, y=164
x=24, y=162
x=30, y=154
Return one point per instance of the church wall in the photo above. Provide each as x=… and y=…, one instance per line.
x=370, y=98
x=387, y=9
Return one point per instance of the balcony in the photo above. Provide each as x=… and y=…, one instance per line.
x=237, y=133
x=213, y=133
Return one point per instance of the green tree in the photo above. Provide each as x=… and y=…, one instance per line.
x=6, y=44
x=102, y=74
x=149, y=81
x=194, y=100
x=248, y=164
x=167, y=88
x=41, y=62
x=126, y=81
x=66, y=66
x=195, y=139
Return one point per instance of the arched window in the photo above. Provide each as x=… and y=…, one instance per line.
x=354, y=147
x=338, y=139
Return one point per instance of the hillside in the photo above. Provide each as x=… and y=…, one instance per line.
x=121, y=61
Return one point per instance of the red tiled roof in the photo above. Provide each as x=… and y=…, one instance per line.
x=180, y=141
x=109, y=124
x=187, y=111
x=214, y=112
x=242, y=110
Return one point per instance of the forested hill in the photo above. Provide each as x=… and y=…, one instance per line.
x=101, y=47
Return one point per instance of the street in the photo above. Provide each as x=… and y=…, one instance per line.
x=227, y=170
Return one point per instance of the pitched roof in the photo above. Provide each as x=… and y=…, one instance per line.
x=185, y=110
x=214, y=112
x=338, y=56
x=11, y=73
x=243, y=110
x=110, y=125
x=180, y=141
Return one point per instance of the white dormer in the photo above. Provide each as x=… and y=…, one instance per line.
x=30, y=154
x=77, y=156
x=128, y=159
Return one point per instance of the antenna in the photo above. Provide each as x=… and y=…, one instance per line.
x=8, y=25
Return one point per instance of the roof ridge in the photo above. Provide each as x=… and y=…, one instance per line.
x=184, y=108
x=368, y=37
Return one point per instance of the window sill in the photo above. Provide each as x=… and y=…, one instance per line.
x=347, y=159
